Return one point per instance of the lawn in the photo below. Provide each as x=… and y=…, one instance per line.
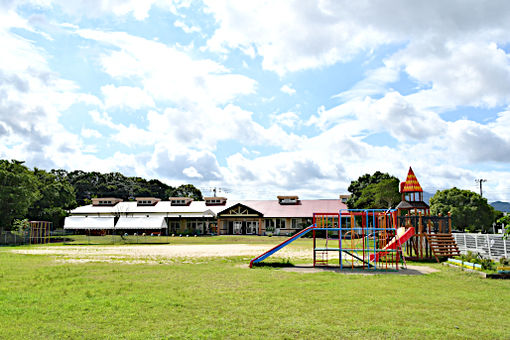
x=221, y=298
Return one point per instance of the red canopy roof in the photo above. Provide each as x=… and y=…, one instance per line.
x=411, y=184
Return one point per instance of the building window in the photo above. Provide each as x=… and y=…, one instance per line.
x=269, y=224
x=191, y=225
x=281, y=223
x=295, y=223
x=175, y=226
x=179, y=202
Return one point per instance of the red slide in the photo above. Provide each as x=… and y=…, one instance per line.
x=402, y=237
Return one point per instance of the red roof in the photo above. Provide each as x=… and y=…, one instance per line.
x=411, y=184
x=304, y=208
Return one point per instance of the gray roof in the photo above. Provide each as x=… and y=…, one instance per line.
x=412, y=205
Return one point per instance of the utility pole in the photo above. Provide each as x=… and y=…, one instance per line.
x=481, y=180
x=216, y=190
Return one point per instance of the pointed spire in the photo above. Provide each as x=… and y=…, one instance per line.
x=411, y=184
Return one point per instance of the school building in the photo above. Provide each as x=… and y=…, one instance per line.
x=214, y=215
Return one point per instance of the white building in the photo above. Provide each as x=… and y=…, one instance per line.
x=214, y=215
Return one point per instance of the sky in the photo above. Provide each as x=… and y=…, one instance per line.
x=260, y=98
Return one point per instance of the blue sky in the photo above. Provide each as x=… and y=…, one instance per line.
x=261, y=97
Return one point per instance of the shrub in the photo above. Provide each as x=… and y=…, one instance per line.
x=504, y=261
x=487, y=264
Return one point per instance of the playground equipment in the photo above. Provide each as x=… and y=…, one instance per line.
x=39, y=232
x=377, y=238
x=433, y=237
x=367, y=239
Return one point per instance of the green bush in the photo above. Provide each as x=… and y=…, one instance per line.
x=488, y=264
x=504, y=261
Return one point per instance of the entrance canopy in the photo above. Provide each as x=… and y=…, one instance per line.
x=153, y=222
x=80, y=222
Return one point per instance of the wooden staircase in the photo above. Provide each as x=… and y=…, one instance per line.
x=442, y=245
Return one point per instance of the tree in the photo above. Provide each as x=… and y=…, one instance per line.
x=377, y=191
x=57, y=196
x=186, y=190
x=386, y=193
x=18, y=191
x=504, y=222
x=115, y=184
x=469, y=210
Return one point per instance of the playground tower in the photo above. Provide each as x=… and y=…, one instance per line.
x=412, y=197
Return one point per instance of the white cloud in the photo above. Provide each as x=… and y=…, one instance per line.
x=186, y=28
x=288, y=119
x=374, y=83
x=90, y=133
x=287, y=88
x=202, y=127
x=479, y=143
x=296, y=35
x=126, y=97
x=129, y=135
x=290, y=36
x=459, y=74
x=191, y=172
x=32, y=100
x=93, y=9
x=183, y=164
x=392, y=113
x=167, y=73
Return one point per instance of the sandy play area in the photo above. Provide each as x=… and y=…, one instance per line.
x=161, y=251
x=152, y=254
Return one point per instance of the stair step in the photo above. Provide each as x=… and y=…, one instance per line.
x=442, y=245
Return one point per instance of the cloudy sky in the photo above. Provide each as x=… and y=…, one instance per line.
x=260, y=97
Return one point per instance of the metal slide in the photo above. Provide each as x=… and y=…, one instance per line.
x=281, y=245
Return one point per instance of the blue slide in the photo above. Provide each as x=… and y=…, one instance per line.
x=281, y=245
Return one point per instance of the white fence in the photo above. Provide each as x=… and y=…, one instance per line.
x=491, y=246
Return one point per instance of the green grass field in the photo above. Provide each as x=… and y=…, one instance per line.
x=221, y=298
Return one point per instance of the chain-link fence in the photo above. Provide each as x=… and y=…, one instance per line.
x=101, y=237
x=88, y=237
x=8, y=238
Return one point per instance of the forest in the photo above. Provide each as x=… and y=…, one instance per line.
x=37, y=194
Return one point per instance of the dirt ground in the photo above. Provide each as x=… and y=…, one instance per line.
x=152, y=254
x=162, y=251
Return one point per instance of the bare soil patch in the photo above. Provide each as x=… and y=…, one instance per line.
x=160, y=252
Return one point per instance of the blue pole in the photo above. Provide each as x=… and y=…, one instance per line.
x=375, y=252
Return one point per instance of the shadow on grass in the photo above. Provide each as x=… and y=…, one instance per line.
x=273, y=264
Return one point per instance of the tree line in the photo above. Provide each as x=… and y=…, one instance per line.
x=38, y=194
x=470, y=211
x=42, y=195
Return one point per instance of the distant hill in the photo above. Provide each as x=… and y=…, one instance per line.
x=501, y=206
x=427, y=196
